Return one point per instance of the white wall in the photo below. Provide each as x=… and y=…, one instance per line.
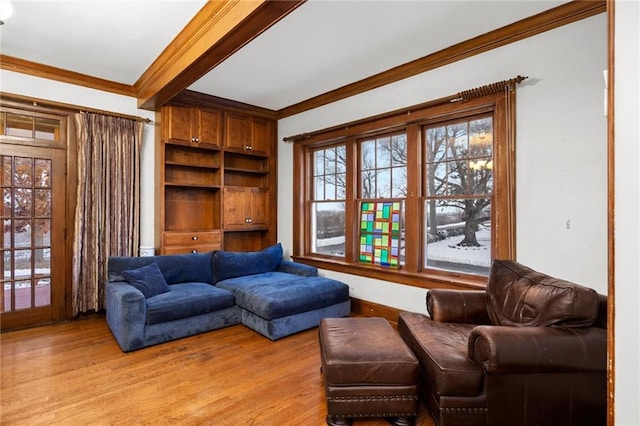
x=627, y=213
x=40, y=88
x=561, y=169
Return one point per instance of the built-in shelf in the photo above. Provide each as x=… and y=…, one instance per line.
x=191, y=165
x=191, y=185
x=215, y=193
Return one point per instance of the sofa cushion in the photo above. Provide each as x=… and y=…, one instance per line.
x=148, y=279
x=519, y=296
x=187, y=300
x=276, y=294
x=176, y=268
x=227, y=264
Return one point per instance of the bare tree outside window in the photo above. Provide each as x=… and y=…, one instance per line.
x=459, y=167
x=383, y=167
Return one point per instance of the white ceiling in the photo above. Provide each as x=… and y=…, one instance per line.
x=320, y=46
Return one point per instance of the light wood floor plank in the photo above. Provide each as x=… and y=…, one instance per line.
x=75, y=374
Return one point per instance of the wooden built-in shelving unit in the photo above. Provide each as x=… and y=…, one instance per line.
x=215, y=176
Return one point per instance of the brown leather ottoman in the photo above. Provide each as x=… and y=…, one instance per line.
x=368, y=371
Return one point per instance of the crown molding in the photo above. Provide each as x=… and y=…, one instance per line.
x=35, y=69
x=533, y=25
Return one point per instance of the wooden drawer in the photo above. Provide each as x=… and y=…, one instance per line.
x=192, y=238
x=200, y=248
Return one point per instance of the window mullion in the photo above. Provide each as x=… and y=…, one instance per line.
x=351, y=202
x=413, y=210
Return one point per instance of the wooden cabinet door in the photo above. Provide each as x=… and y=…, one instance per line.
x=235, y=208
x=260, y=140
x=178, y=125
x=207, y=127
x=259, y=207
x=245, y=208
x=237, y=133
x=194, y=126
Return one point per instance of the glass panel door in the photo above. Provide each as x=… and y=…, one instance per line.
x=26, y=240
x=32, y=241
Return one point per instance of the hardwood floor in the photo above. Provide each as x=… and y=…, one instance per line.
x=75, y=374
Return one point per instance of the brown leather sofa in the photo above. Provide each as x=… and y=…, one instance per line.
x=530, y=350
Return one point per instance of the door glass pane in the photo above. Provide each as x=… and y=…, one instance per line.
x=47, y=128
x=43, y=292
x=19, y=125
x=43, y=261
x=22, y=202
x=43, y=273
x=43, y=203
x=23, y=294
x=42, y=232
x=22, y=233
x=22, y=264
x=43, y=173
x=23, y=173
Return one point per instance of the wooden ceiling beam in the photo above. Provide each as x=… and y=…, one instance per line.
x=218, y=30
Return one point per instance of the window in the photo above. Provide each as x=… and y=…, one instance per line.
x=383, y=177
x=459, y=190
x=383, y=167
x=328, y=204
x=429, y=199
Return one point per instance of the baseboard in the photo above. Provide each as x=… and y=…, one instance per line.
x=370, y=309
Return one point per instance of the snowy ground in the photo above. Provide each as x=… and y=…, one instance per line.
x=444, y=252
x=447, y=251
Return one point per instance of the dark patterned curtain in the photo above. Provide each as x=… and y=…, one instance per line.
x=107, y=213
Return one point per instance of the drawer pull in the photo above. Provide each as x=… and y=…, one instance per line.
x=194, y=238
x=194, y=251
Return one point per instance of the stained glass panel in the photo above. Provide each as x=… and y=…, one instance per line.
x=380, y=233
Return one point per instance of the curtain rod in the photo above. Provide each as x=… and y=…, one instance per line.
x=117, y=115
x=458, y=97
x=35, y=102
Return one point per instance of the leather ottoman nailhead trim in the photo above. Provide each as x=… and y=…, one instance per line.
x=464, y=410
x=373, y=398
x=349, y=416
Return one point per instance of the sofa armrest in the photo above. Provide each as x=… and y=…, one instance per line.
x=126, y=314
x=458, y=306
x=503, y=349
x=296, y=268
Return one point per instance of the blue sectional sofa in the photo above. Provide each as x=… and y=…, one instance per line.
x=150, y=300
